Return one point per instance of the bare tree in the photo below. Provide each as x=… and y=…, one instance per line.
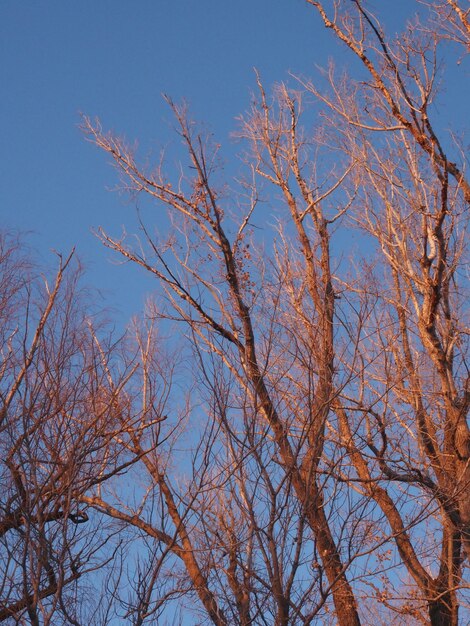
x=413, y=203
x=59, y=387
x=327, y=471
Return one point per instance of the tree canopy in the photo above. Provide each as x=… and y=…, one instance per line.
x=282, y=438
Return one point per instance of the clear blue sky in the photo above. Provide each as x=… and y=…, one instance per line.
x=114, y=59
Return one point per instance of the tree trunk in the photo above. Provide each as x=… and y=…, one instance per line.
x=444, y=611
x=343, y=595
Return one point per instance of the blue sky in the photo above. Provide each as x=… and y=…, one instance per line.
x=114, y=59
